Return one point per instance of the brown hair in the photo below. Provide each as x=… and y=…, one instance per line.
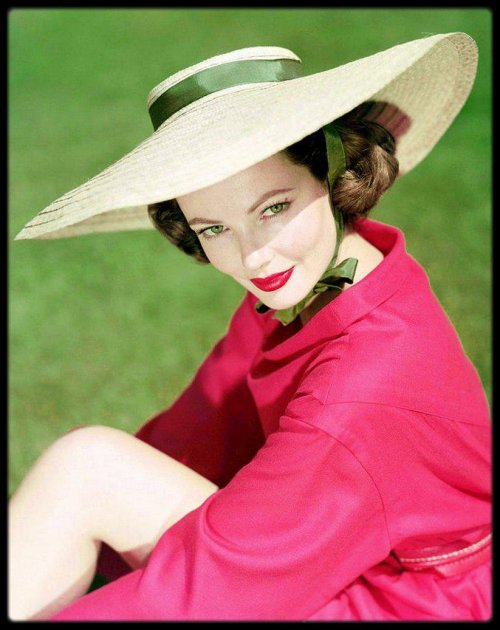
x=371, y=169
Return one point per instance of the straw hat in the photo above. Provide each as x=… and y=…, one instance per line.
x=231, y=111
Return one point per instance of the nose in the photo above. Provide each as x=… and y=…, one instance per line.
x=254, y=255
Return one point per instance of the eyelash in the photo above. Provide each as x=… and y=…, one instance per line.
x=285, y=203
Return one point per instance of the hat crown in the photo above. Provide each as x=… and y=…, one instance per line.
x=241, y=54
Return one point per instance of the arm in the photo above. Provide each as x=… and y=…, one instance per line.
x=213, y=426
x=293, y=527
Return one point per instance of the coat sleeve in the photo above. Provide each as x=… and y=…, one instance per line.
x=213, y=426
x=293, y=527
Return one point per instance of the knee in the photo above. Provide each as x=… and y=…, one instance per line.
x=90, y=432
x=85, y=444
x=75, y=428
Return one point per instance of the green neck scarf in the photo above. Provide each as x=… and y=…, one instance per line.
x=335, y=275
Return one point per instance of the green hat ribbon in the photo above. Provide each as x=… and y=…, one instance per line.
x=221, y=77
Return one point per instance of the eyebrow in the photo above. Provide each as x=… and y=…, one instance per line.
x=260, y=200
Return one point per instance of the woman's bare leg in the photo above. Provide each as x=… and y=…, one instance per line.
x=52, y=560
x=95, y=484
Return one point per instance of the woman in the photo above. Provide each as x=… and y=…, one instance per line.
x=330, y=458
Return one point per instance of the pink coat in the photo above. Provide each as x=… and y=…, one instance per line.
x=353, y=457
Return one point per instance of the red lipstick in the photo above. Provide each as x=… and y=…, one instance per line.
x=273, y=282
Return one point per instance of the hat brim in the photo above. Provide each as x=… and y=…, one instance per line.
x=428, y=79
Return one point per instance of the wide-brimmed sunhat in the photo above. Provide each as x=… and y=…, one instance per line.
x=231, y=111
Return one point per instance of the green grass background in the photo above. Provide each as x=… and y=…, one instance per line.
x=109, y=328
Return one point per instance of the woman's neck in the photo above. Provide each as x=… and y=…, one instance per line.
x=355, y=246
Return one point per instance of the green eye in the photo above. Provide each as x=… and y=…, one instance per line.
x=276, y=208
x=215, y=229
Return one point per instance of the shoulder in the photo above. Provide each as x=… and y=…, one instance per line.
x=400, y=354
x=377, y=370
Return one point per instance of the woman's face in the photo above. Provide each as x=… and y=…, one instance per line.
x=270, y=218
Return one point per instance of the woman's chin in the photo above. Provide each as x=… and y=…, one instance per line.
x=279, y=302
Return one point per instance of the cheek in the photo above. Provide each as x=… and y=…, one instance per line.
x=221, y=258
x=311, y=229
